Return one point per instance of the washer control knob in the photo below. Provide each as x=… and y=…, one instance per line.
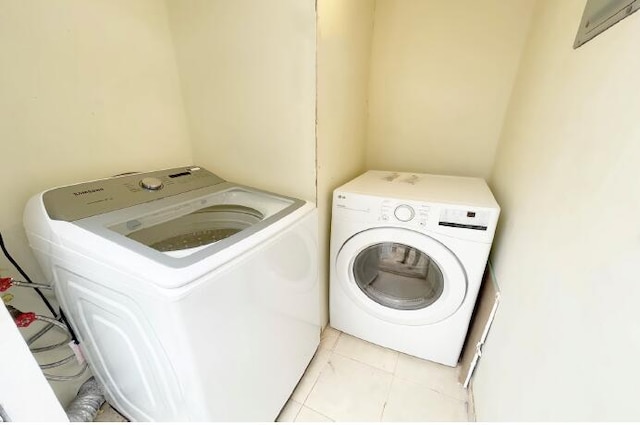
x=151, y=183
x=404, y=213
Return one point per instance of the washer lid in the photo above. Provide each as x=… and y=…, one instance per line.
x=180, y=230
x=201, y=227
x=401, y=276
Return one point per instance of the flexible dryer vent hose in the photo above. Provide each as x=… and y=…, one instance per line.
x=84, y=408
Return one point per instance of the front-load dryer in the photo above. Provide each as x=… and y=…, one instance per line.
x=194, y=299
x=408, y=252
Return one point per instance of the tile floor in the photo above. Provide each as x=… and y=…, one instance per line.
x=353, y=380
x=108, y=414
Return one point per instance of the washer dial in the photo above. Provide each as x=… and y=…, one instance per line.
x=404, y=213
x=151, y=183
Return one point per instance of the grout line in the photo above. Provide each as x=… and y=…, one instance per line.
x=304, y=374
x=471, y=405
x=335, y=343
x=298, y=412
x=386, y=400
x=316, y=380
x=368, y=364
x=314, y=410
x=312, y=387
x=395, y=366
x=426, y=386
x=362, y=363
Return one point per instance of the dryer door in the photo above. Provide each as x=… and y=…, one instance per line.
x=401, y=276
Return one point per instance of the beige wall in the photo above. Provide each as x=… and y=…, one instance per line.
x=565, y=344
x=441, y=77
x=88, y=89
x=248, y=79
x=344, y=46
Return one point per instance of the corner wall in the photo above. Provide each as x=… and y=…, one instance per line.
x=88, y=89
x=344, y=47
x=248, y=77
x=441, y=77
x=564, y=345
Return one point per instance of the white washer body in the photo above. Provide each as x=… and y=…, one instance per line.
x=393, y=231
x=220, y=332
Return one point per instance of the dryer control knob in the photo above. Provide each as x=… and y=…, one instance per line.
x=151, y=183
x=404, y=212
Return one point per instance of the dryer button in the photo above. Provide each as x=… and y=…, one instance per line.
x=404, y=213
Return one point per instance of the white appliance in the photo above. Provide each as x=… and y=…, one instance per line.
x=195, y=299
x=408, y=252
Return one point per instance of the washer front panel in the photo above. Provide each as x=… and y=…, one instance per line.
x=401, y=276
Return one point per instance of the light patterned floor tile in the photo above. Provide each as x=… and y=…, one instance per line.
x=471, y=406
x=329, y=338
x=412, y=402
x=348, y=390
x=438, y=377
x=310, y=415
x=289, y=411
x=310, y=376
x=366, y=352
x=108, y=414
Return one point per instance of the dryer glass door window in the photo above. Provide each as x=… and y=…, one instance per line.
x=398, y=276
x=401, y=276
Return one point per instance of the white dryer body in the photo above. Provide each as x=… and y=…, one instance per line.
x=407, y=258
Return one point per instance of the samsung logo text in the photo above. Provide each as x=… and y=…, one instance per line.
x=85, y=192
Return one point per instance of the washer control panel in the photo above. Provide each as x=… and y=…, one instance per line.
x=70, y=203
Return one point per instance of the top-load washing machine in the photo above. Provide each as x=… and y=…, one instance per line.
x=193, y=298
x=408, y=252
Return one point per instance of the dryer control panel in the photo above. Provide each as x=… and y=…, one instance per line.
x=463, y=221
x=405, y=212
